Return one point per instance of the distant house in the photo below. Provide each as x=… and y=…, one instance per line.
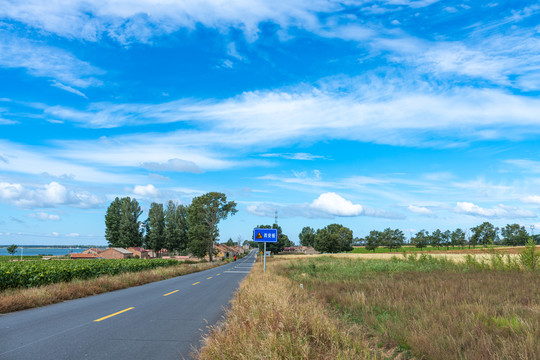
x=139, y=252
x=116, y=253
x=83, y=256
x=92, y=251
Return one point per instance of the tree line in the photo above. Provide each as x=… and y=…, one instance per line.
x=177, y=228
x=333, y=238
x=338, y=238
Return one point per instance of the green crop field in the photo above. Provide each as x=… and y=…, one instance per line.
x=4, y=258
x=35, y=273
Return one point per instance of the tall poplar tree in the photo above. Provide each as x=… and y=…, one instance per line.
x=130, y=226
x=112, y=223
x=122, y=225
x=175, y=227
x=155, y=228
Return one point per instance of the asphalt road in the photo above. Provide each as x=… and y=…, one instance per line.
x=161, y=320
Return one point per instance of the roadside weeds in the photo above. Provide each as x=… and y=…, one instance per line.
x=273, y=318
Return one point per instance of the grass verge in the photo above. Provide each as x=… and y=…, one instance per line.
x=271, y=317
x=21, y=299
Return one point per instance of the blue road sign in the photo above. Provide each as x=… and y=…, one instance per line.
x=265, y=235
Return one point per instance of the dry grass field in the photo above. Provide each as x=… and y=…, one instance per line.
x=356, y=307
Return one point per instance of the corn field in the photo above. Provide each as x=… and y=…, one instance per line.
x=35, y=273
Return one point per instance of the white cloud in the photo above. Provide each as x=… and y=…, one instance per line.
x=46, y=196
x=500, y=211
x=420, y=210
x=44, y=216
x=333, y=204
x=531, y=199
x=146, y=190
x=73, y=235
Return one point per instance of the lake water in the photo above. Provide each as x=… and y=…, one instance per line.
x=42, y=251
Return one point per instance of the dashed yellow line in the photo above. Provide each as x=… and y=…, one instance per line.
x=218, y=274
x=172, y=292
x=198, y=282
x=208, y=278
x=116, y=313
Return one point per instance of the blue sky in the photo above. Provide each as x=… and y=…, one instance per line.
x=406, y=114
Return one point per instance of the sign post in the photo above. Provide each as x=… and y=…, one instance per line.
x=264, y=236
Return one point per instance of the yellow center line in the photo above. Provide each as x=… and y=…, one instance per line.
x=172, y=292
x=208, y=278
x=116, y=313
x=218, y=274
x=198, y=282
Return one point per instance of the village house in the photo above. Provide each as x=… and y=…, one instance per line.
x=139, y=252
x=116, y=253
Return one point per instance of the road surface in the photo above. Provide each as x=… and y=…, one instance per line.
x=161, y=320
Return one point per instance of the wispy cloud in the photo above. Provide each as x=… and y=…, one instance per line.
x=176, y=165
x=46, y=61
x=294, y=156
x=403, y=117
x=44, y=216
x=68, y=89
x=421, y=210
x=500, y=211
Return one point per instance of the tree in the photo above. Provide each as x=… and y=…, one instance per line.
x=282, y=241
x=373, y=240
x=176, y=227
x=528, y=257
x=334, y=238
x=307, y=237
x=436, y=238
x=392, y=239
x=484, y=233
x=155, y=228
x=457, y=238
x=12, y=249
x=514, y=235
x=230, y=242
x=112, y=223
x=421, y=239
x=204, y=215
x=446, y=238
